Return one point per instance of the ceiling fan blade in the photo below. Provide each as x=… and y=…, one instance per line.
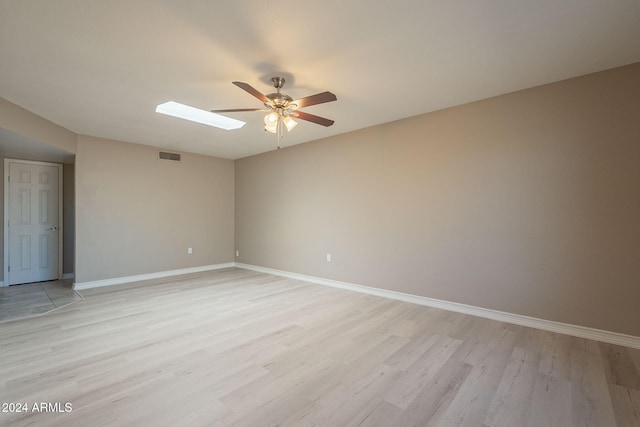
x=318, y=98
x=230, y=110
x=253, y=91
x=312, y=118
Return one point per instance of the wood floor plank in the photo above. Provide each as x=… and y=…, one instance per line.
x=429, y=406
x=626, y=405
x=239, y=348
x=378, y=413
x=619, y=366
x=512, y=402
x=473, y=399
x=415, y=378
x=590, y=395
x=556, y=358
x=551, y=402
x=635, y=355
x=349, y=403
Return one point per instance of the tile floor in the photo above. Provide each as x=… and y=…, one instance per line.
x=32, y=299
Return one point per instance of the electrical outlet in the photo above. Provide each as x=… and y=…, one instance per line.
x=328, y=257
x=237, y=253
x=189, y=251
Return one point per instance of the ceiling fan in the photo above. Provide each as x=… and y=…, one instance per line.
x=282, y=108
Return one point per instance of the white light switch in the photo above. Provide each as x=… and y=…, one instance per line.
x=328, y=257
x=189, y=251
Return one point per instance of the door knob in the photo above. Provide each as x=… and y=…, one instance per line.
x=53, y=229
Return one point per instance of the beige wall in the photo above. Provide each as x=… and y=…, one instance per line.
x=136, y=214
x=69, y=221
x=23, y=122
x=527, y=203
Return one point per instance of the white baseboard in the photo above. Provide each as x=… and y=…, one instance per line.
x=517, y=319
x=139, y=277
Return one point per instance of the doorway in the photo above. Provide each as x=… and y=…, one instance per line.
x=33, y=221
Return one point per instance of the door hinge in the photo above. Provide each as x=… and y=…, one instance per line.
x=8, y=178
x=9, y=268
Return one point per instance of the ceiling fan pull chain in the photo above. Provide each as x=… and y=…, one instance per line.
x=279, y=131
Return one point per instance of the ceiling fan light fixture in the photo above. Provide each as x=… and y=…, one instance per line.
x=182, y=111
x=271, y=119
x=271, y=122
x=289, y=123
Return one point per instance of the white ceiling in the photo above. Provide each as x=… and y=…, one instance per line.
x=100, y=67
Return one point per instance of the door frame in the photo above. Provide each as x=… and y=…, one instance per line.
x=5, y=281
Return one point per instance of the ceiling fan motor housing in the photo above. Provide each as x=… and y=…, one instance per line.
x=278, y=100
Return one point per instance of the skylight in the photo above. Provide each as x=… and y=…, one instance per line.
x=197, y=115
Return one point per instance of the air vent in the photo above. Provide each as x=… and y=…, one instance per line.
x=169, y=156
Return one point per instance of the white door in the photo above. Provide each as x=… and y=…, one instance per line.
x=33, y=222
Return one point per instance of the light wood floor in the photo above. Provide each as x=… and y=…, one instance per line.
x=236, y=347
